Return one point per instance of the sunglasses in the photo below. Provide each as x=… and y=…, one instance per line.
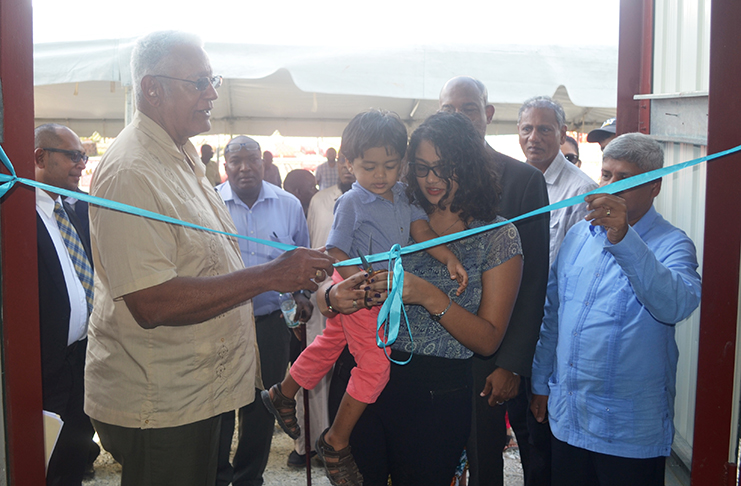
x=422, y=170
x=571, y=158
x=201, y=84
x=74, y=155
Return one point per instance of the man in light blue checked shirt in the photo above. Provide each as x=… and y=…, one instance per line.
x=605, y=365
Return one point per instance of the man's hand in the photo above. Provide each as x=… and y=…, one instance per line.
x=500, y=386
x=298, y=269
x=304, y=307
x=610, y=212
x=539, y=407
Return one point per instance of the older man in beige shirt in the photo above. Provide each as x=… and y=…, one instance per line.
x=172, y=337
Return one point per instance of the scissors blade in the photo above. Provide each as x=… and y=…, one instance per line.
x=366, y=266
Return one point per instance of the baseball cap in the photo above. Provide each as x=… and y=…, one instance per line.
x=606, y=130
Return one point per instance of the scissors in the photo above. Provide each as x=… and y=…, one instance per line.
x=368, y=267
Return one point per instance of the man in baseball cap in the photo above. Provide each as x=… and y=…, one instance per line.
x=604, y=134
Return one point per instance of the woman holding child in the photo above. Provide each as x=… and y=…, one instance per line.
x=419, y=425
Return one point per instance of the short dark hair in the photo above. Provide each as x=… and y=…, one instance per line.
x=574, y=144
x=373, y=128
x=459, y=146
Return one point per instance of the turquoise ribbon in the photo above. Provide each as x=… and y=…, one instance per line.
x=389, y=317
x=9, y=180
x=613, y=188
x=393, y=306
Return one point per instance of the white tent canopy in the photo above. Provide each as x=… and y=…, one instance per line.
x=315, y=91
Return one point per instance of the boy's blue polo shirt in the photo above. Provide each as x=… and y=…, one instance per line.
x=359, y=215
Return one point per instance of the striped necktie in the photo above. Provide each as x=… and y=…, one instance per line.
x=76, y=253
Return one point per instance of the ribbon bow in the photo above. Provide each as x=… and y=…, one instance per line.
x=389, y=317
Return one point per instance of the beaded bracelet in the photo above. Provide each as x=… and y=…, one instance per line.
x=326, y=299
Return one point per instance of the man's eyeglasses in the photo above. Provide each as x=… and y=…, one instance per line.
x=422, y=170
x=74, y=155
x=236, y=147
x=571, y=158
x=201, y=84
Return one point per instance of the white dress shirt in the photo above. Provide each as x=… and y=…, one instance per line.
x=77, y=302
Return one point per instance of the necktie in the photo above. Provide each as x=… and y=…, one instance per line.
x=76, y=253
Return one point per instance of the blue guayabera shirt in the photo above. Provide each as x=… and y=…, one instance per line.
x=606, y=354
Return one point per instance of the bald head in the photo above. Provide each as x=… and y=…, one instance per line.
x=302, y=184
x=468, y=96
x=59, y=156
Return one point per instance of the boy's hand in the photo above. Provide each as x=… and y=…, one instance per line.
x=457, y=272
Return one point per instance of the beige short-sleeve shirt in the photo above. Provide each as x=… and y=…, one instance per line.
x=167, y=376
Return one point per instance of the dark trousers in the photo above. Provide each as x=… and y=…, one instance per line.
x=573, y=466
x=75, y=443
x=418, y=427
x=489, y=436
x=255, y=422
x=173, y=456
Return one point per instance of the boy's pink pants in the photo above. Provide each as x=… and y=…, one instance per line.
x=358, y=331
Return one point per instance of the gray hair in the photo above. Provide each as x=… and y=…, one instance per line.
x=151, y=55
x=638, y=149
x=544, y=102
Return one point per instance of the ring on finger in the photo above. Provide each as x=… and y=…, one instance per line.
x=319, y=274
x=608, y=212
x=354, y=304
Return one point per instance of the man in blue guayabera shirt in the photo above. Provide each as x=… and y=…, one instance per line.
x=605, y=365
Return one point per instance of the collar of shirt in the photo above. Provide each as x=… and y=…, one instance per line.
x=554, y=170
x=266, y=192
x=641, y=227
x=149, y=127
x=45, y=203
x=367, y=197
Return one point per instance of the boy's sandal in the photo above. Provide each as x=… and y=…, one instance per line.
x=284, y=410
x=339, y=465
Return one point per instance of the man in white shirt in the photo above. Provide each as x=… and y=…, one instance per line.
x=65, y=299
x=541, y=125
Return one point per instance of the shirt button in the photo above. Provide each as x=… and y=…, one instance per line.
x=146, y=421
x=570, y=393
x=586, y=304
x=252, y=253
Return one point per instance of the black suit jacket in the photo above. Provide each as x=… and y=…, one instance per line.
x=59, y=377
x=523, y=190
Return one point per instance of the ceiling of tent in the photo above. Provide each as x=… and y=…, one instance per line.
x=315, y=91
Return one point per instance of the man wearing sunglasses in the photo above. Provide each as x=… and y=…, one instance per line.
x=172, y=338
x=65, y=299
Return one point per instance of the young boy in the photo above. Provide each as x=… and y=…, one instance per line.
x=375, y=209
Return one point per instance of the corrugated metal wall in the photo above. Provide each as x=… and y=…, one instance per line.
x=682, y=201
x=681, y=45
x=681, y=64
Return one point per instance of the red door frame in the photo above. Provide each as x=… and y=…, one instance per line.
x=720, y=286
x=20, y=314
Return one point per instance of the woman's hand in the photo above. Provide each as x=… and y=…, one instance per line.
x=350, y=295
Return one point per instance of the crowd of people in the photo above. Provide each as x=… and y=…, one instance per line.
x=158, y=336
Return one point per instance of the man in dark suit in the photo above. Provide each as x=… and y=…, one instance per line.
x=65, y=300
x=502, y=381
